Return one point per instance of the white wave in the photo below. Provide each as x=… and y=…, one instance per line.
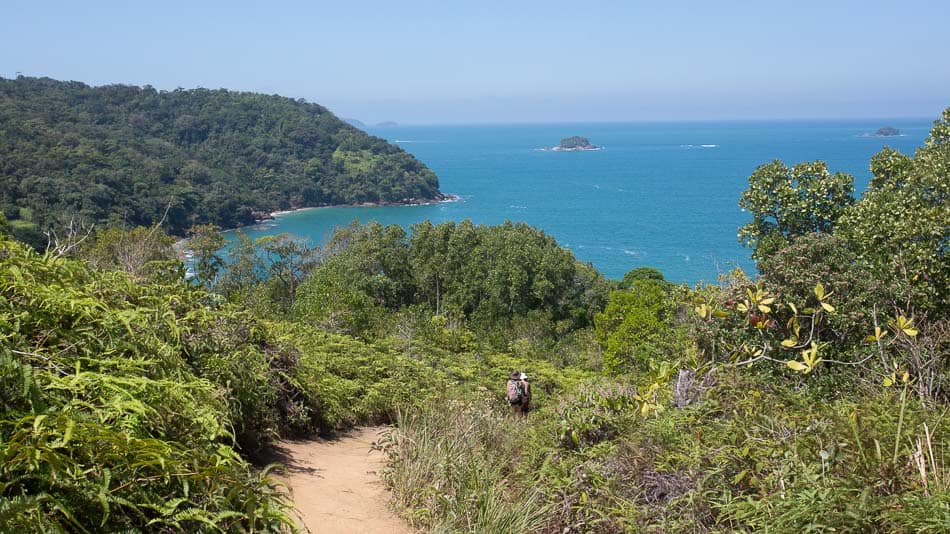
x=629, y=252
x=709, y=146
x=513, y=206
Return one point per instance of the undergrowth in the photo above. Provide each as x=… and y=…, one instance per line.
x=749, y=457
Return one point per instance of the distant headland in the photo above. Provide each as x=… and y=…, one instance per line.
x=387, y=124
x=356, y=123
x=573, y=144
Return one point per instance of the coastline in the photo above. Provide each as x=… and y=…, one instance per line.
x=185, y=254
x=446, y=198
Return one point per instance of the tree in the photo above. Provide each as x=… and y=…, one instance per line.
x=788, y=203
x=634, y=329
x=141, y=252
x=327, y=299
x=289, y=260
x=205, y=240
x=245, y=269
x=641, y=273
x=902, y=222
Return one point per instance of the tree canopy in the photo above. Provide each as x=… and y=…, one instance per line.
x=128, y=156
x=786, y=203
x=902, y=222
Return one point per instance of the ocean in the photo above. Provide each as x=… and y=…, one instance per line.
x=661, y=194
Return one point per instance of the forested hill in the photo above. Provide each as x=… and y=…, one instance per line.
x=122, y=154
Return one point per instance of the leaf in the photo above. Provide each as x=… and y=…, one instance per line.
x=796, y=365
x=37, y=422
x=905, y=325
x=819, y=291
x=789, y=343
x=764, y=309
x=889, y=380
x=794, y=309
x=68, y=433
x=742, y=307
x=828, y=307
x=767, y=301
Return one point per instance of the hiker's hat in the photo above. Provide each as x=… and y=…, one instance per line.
x=515, y=375
x=524, y=376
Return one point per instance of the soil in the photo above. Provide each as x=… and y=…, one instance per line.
x=336, y=484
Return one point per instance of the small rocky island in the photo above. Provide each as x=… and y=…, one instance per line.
x=887, y=131
x=575, y=143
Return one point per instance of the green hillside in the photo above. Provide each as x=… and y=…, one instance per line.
x=121, y=155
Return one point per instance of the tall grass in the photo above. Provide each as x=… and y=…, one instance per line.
x=451, y=469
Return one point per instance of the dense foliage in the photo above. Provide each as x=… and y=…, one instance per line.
x=902, y=222
x=809, y=398
x=487, y=275
x=124, y=155
x=124, y=403
x=788, y=203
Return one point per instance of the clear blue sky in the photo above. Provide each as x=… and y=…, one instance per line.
x=515, y=61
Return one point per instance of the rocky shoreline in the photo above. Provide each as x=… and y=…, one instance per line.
x=443, y=198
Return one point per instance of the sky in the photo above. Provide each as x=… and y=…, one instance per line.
x=419, y=62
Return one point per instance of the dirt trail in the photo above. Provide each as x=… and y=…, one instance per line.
x=336, y=485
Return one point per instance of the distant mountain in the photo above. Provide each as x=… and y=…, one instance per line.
x=355, y=123
x=124, y=155
x=387, y=124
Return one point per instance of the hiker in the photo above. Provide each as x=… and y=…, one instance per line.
x=518, y=393
x=527, y=394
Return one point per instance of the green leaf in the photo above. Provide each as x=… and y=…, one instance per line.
x=796, y=365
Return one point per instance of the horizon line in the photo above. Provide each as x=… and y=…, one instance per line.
x=400, y=124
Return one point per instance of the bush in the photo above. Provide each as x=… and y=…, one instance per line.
x=112, y=418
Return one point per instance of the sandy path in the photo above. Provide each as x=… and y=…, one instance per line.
x=336, y=486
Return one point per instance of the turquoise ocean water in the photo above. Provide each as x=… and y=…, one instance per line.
x=659, y=194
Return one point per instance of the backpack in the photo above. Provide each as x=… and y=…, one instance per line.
x=515, y=392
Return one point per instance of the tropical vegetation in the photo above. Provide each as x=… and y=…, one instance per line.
x=127, y=156
x=809, y=396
